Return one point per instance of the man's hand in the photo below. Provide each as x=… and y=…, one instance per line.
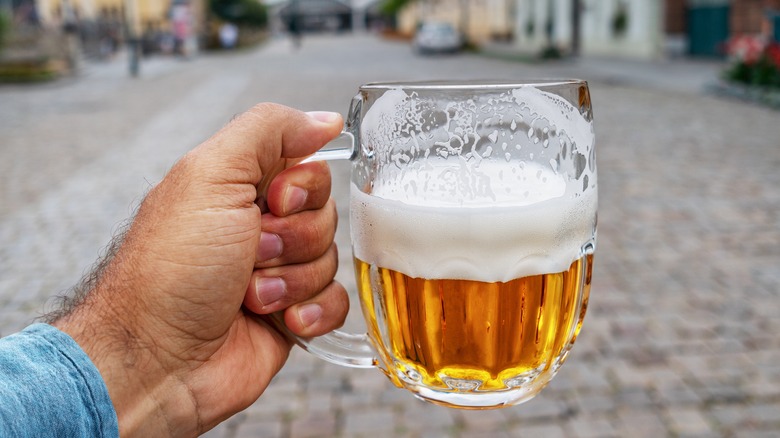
x=235, y=229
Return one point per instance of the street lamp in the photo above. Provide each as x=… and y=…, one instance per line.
x=576, y=10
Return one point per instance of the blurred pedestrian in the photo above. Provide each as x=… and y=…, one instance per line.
x=294, y=27
x=166, y=337
x=181, y=21
x=228, y=35
x=70, y=30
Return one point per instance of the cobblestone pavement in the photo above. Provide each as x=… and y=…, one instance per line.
x=681, y=338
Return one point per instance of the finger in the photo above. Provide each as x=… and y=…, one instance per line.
x=266, y=126
x=258, y=143
x=302, y=187
x=297, y=238
x=274, y=289
x=322, y=314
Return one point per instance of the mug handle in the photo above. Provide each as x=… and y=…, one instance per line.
x=340, y=348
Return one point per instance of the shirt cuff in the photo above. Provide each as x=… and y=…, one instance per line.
x=50, y=387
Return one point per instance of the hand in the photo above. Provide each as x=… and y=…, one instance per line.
x=235, y=229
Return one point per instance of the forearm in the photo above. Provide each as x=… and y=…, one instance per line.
x=148, y=399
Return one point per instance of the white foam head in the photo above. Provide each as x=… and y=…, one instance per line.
x=437, y=238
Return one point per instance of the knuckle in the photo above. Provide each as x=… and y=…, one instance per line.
x=319, y=233
x=312, y=278
x=341, y=301
x=332, y=214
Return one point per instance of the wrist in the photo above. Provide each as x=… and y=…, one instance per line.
x=148, y=400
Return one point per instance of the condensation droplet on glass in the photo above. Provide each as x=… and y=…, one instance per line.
x=546, y=142
x=536, y=140
x=508, y=156
x=503, y=146
x=493, y=136
x=487, y=152
x=513, y=125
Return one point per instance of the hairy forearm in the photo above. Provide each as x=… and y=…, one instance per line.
x=149, y=399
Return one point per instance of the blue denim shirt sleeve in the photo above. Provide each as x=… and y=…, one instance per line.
x=50, y=388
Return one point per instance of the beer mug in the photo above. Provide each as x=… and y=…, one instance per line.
x=473, y=226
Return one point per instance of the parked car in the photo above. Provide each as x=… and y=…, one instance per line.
x=437, y=38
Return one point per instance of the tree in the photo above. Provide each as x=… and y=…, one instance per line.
x=5, y=28
x=241, y=12
x=392, y=7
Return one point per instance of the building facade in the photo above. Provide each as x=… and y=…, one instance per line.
x=627, y=28
x=143, y=15
x=479, y=20
x=104, y=25
x=643, y=29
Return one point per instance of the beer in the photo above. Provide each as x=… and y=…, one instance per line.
x=463, y=334
x=487, y=296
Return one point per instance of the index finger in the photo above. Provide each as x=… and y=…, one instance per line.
x=298, y=188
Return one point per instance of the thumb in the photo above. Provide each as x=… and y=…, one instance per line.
x=256, y=142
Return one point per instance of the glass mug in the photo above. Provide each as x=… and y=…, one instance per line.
x=473, y=225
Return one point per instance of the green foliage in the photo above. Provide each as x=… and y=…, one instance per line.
x=763, y=74
x=620, y=20
x=31, y=70
x=241, y=12
x=5, y=28
x=550, y=52
x=392, y=7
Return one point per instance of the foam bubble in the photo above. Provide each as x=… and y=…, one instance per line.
x=454, y=181
x=557, y=111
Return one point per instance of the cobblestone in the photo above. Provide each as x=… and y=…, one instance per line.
x=681, y=334
x=591, y=427
x=689, y=422
x=314, y=425
x=369, y=422
x=437, y=419
x=540, y=430
x=640, y=423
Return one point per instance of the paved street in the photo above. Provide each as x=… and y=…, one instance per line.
x=681, y=337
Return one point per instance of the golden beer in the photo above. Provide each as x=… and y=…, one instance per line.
x=472, y=335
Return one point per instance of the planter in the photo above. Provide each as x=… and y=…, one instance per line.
x=761, y=95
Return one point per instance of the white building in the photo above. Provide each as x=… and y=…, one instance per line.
x=628, y=28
